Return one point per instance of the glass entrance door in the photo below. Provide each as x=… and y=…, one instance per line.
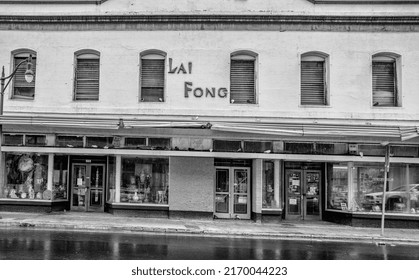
x=87, y=187
x=303, y=194
x=232, y=193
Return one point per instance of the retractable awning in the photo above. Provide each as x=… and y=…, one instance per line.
x=391, y=132
x=396, y=133
x=101, y=123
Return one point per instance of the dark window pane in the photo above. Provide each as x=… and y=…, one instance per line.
x=257, y=146
x=135, y=142
x=227, y=146
x=159, y=143
x=12, y=140
x=69, y=141
x=35, y=140
x=98, y=142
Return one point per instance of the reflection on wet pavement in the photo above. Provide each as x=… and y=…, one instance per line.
x=38, y=244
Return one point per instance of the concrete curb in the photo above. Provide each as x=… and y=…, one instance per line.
x=379, y=240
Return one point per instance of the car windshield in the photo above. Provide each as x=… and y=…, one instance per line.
x=404, y=188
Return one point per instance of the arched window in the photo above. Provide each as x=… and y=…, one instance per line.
x=152, y=65
x=313, y=79
x=21, y=88
x=243, y=78
x=384, y=80
x=86, y=75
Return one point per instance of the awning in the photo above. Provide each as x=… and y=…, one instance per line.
x=407, y=133
x=101, y=123
x=395, y=133
x=391, y=132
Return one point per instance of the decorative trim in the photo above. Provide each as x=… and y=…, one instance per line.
x=213, y=22
x=34, y=2
x=365, y=2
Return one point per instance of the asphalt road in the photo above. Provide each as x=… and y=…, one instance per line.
x=27, y=244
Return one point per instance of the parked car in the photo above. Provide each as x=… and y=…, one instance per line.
x=396, y=199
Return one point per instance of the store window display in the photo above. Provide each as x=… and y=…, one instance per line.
x=60, y=178
x=145, y=180
x=26, y=177
x=402, y=188
x=268, y=197
x=337, y=191
x=358, y=187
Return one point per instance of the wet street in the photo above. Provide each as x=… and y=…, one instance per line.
x=18, y=244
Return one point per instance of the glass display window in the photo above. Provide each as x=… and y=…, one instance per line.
x=145, y=180
x=402, y=192
x=268, y=191
x=337, y=186
x=25, y=177
x=111, y=179
x=60, y=178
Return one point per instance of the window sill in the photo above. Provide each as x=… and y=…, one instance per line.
x=386, y=107
x=244, y=104
x=314, y=106
x=14, y=98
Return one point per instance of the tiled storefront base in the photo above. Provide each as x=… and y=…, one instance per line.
x=138, y=210
x=372, y=220
x=32, y=206
x=272, y=216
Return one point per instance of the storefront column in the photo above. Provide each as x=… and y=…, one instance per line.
x=2, y=171
x=50, y=177
x=351, y=186
x=257, y=178
x=118, y=167
x=277, y=182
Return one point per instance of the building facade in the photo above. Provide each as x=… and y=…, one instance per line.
x=263, y=110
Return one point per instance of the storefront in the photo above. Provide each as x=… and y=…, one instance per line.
x=257, y=178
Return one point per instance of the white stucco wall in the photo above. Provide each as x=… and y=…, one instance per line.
x=191, y=184
x=278, y=77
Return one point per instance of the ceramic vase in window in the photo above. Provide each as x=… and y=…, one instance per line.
x=147, y=194
x=142, y=177
x=136, y=197
x=132, y=180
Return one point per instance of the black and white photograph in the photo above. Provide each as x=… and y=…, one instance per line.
x=209, y=139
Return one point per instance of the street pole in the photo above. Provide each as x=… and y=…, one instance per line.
x=383, y=201
x=2, y=179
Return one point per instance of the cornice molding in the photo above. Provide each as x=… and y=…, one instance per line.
x=212, y=22
x=366, y=2
x=33, y=2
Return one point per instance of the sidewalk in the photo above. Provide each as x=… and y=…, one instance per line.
x=235, y=228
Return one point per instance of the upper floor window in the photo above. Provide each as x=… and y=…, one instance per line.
x=313, y=79
x=384, y=80
x=243, y=78
x=86, y=75
x=152, y=76
x=21, y=88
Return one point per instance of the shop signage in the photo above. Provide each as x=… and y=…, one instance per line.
x=190, y=89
